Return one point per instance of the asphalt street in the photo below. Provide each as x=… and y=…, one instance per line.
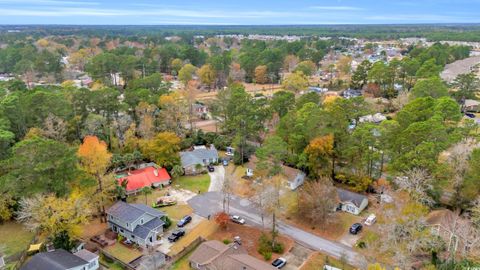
x=207, y=204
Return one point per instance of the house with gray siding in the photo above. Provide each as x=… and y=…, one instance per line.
x=351, y=202
x=138, y=223
x=195, y=161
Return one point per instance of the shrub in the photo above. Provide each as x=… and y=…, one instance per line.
x=168, y=222
x=226, y=241
x=267, y=256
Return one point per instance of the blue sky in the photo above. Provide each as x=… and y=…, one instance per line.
x=238, y=12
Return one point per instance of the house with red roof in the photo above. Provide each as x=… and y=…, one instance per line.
x=148, y=175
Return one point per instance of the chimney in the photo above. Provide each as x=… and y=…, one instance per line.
x=155, y=172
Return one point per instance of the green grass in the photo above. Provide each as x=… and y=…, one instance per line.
x=177, y=212
x=193, y=183
x=15, y=238
x=123, y=253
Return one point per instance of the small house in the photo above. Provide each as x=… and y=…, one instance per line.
x=295, y=177
x=195, y=161
x=62, y=260
x=214, y=254
x=471, y=105
x=351, y=202
x=138, y=223
x=149, y=176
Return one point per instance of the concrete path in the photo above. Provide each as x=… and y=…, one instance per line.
x=216, y=179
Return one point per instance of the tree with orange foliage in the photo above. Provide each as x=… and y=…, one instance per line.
x=95, y=159
x=261, y=74
x=319, y=155
x=222, y=218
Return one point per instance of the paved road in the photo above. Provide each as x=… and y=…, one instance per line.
x=216, y=179
x=212, y=202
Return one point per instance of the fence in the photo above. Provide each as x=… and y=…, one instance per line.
x=194, y=244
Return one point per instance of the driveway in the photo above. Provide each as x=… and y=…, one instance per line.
x=211, y=202
x=216, y=179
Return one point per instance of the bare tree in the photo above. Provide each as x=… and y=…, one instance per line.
x=417, y=182
x=317, y=201
x=54, y=128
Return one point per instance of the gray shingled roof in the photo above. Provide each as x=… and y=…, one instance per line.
x=131, y=212
x=348, y=196
x=86, y=255
x=55, y=260
x=197, y=156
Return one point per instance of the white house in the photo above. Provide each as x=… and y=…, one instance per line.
x=295, y=177
x=351, y=202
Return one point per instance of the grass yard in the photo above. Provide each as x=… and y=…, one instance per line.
x=177, y=212
x=15, y=238
x=123, y=253
x=318, y=260
x=150, y=199
x=203, y=229
x=193, y=183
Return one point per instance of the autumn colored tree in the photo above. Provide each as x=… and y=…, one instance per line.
x=52, y=215
x=185, y=74
x=222, y=218
x=319, y=155
x=174, y=112
x=344, y=64
x=306, y=67
x=163, y=149
x=290, y=62
x=207, y=75
x=295, y=82
x=95, y=159
x=176, y=65
x=237, y=74
x=261, y=74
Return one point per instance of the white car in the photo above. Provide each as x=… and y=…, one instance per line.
x=238, y=220
x=371, y=220
x=279, y=263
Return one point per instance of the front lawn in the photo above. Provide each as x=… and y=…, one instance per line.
x=15, y=238
x=177, y=212
x=193, y=183
x=123, y=253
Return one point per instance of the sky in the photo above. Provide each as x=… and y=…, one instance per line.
x=238, y=12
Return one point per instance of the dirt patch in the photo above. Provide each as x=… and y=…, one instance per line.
x=249, y=236
x=317, y=260
x=296, y=257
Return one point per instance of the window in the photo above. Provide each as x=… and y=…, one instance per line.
x=121, y=230
x=127, y=225
x=133, y=236
x=141, y=221
x=92, y=264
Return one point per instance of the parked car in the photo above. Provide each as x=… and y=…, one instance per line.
x=238, y=220
x=225, y=162
x=211, y=168
x=177, y=234
x=470, y=115
x=356, y=228
x=279, y=263
x=184, y=221
x=371, y=219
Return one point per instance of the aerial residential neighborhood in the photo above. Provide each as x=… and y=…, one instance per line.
x=220, y=135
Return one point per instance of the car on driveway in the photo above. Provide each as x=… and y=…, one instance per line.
x=279, y=263
x=356, y=228
x=211, y=168
x=225, y=162
x=371, y=219
x=177, y=234
x=184, y=221
x=470, y=115
x=238, y=220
